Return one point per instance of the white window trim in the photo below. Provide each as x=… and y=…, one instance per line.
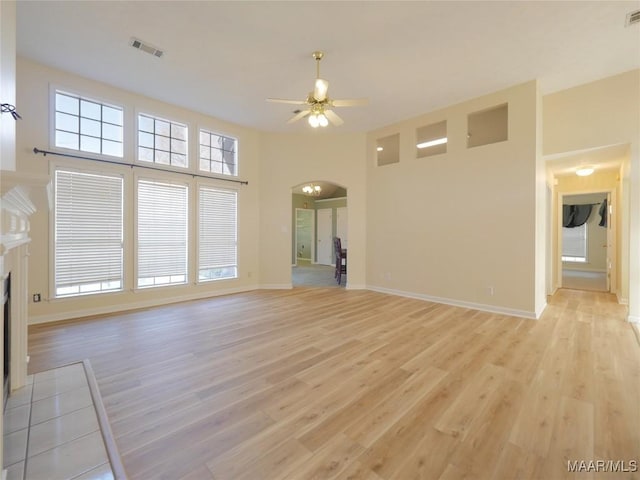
x=53, y=89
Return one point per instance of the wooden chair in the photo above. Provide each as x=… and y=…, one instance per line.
x=341, y=259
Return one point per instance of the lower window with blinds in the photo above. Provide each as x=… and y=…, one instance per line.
x=574, y=244
x=217, y=234
x=88, y=233
x=162, y=233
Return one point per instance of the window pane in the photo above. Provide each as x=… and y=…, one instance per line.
x=163, y=143
x=205, y=165
x=205, y=138
x=90, y=127
x=163, y=158
x=145, y=139
x=67, y=140
x=145, y=123
x=90, y=110
x=112, y=115
x=205, y=152
x=66, y=104
x=179, y=146
x=178, y=131
x=90, y=144
x=178, y=160
x=112, y=132
x=145, y=154
x=67, y=122
x=112, y=148
x=163, y=128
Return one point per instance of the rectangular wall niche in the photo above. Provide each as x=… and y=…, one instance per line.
x=431, y=139
x=488, y=126
x=388, y=149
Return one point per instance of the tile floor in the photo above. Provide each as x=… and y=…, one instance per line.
x=51, y=430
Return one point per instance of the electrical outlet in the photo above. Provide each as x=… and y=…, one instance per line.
x=36, y=298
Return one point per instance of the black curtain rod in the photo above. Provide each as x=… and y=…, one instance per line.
x=36, y=150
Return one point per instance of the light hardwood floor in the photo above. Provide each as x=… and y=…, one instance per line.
x=328, y=383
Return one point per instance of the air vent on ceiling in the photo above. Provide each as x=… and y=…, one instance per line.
x=145, y=47
x=632, y=18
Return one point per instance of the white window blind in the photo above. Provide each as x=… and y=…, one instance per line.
x=574, y=244
x=162, y=233
x=217, y=234
x=88, y=230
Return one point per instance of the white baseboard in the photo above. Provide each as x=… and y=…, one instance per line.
x=457, y=303
x=635, y=319
x=122, y=307
x=355, y=286
x=622, y=300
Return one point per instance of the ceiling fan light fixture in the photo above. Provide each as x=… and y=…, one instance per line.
x=314, y=121
x=322, y=120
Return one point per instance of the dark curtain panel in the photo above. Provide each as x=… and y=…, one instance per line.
x=603, y=213
x=575, y=215
x=567, y=215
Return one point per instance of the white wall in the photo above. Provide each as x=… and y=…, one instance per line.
x=462, y=225
x=598, y=114
x=34, y=81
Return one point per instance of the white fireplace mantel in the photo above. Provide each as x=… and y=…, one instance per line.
x=15, y=209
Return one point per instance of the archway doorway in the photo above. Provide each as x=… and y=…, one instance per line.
x=319, y=214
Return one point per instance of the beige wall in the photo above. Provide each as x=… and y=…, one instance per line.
x=598, y=114
x=33, y=96
x=289, y=160
x=7, y=83
x=461, y=225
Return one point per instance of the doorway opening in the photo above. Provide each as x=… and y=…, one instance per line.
x=587, y=241
x=319, y=214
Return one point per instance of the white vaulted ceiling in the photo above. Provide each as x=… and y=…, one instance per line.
x=224, y=58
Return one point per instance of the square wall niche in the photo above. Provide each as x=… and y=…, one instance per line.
x=388, y=149
x=488, y=126
x=431, y=139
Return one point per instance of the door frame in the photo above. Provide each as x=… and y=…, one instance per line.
x=313, y=235
x=612, y=272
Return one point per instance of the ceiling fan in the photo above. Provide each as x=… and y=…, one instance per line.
x=318, y=105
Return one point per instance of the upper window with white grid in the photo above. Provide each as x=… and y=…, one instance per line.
x=162, y=141
x=87, y=125
x=218, y=154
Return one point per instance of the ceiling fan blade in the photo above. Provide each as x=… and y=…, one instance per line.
x=333, y=117
x=284, y=100
x=299, y=115
x=352, y=102
x=320, y=89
